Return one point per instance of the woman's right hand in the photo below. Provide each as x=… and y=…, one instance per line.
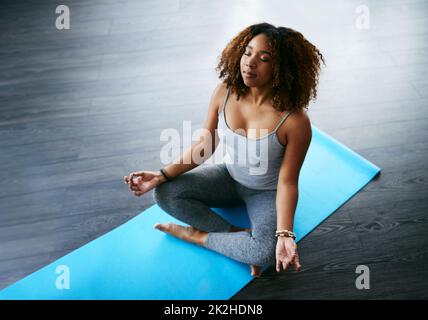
x=140, y=182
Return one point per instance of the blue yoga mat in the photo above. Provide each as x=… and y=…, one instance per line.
x=136, y=261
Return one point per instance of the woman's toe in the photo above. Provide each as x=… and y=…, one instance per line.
x=162, y=227
x=255, y=271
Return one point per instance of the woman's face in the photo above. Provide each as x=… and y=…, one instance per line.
x=256, y=62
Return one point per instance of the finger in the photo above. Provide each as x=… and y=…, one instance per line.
x=128, y=179
x=139, y=173
x=131, y=183
x=131, y=178
x=138, y=181
x=138, y=193
x=285, y=264
x=295, y=260
x=134, y=188
x=297, y=263
x=278, y=265
x=138, y=184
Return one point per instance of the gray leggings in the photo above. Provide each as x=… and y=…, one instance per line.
x=190, y=196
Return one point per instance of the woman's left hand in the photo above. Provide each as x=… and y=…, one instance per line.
x=286, y=254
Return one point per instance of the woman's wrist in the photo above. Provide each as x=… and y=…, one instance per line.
x=285, y=233
x=161, y=177
x=165, y=175
x=286, y=241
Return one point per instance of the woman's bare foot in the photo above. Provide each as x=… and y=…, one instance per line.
x=189, y=234
x=255, y=270
x=193, y=235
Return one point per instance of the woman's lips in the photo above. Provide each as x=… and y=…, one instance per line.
x=249, y=75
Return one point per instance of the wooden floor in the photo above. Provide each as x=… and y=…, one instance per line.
x=81, y=108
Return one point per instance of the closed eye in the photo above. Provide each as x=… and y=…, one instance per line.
x=248, y=54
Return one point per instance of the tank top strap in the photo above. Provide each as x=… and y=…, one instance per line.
x=225, y=100
x=282, y=121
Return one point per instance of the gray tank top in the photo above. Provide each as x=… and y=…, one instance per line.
x=253, y=162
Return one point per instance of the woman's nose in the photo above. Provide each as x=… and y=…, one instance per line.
x=251, y=62
x=250, y=65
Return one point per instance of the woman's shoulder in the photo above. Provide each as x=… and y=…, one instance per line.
x=221, y=89
x=217, y=98
x=298, y=121
x=299, y=116
x=219, y=94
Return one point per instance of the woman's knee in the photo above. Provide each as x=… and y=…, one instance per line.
x=164, y=193
x=171, y=190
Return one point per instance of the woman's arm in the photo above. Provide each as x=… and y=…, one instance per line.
x=208, y=141
x=286, y=203
x=299, y=136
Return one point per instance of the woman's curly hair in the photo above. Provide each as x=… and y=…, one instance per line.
x=296, y=65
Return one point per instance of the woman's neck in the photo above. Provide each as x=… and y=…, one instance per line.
x=259, y=96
